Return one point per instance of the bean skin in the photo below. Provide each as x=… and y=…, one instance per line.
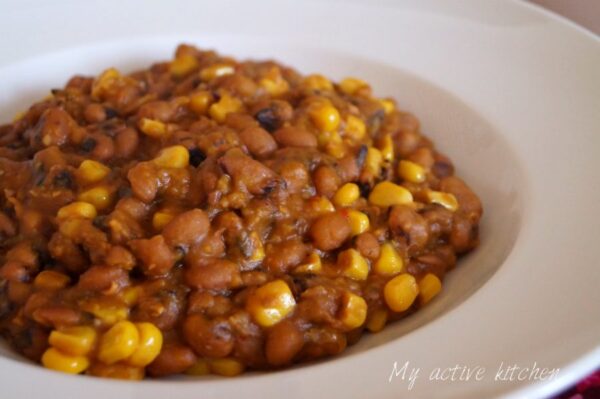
x=326, y=181
x=187, y=228
x=172, y=359
x=107, y=279
x=155, y=255
x=368, y=245
x=144, y=181
x=282, y=257
x=405, y=220
x=330, y=231
x=219, y=274
x=94, y=113
x=468, y=202
x=258, y=141
x=284, y=341
x=126, y=142
x=295, y=137
x=210, y=338
x=254, y=175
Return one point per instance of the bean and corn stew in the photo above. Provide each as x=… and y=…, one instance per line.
x=208, y=215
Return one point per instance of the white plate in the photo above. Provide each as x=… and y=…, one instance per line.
x=510, y=92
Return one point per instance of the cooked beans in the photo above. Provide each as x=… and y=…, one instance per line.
x=213, y=215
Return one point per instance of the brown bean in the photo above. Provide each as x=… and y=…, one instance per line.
x=464, y=234
x=330, y=231
x=284, y=342
x=126, y=142
x=144, y=181
x=404, y=220
x=119, y=256
x=187, y=228
x=292, y=136
x=348, y=168
x=56, y=125
x=107, y=279
x=57, y=316
x=157, y=110
x=240, y=121
x=161, y=308
x=273, y=114
x=282, y=257
x=104, y=148
x=15, y=271
x=368, y=245
x=172, y=359
x=7, y=227
x=69, y=254
x=155, y=255
x=210, y=338
x=256, y=177
x=135, y=208
x=422, y=156
x=209, y=304
x=94, y=113
x=258, y=141
x=468, y=202
x=24, y=253
x=219, y=274
x=295, y=175
x=405, y=142
x=326, y=181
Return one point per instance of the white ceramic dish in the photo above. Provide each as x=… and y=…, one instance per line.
x=510, y=92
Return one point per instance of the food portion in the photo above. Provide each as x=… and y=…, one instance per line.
x=207, y=215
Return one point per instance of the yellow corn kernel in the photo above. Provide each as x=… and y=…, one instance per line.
x=324, y=116
x=389, y=262
x=76, y=341
x=336, y=148
x=429, y=286
x=51, y=280
x=175, y=157
x=131, y=294
x=215, y=71
x=320, y=205
x=226, y=367
x=346, y=195
x=77, y=209
x=258, y=252
x=103, y=82
x=183, y=65
x=312, y=265
x=100, y=197
x=387, y=148
x=150, y=343
x=353, y=265
x=353, y=311
x=271, y=303
x=352, y=85
x=120, y=371
x=162, y=217
x=226, y=104
x=56, y=360
x=446, y=200
x=153, y=128
x=388, y=194
x=359, y=222
x=199, y=102
x=119, y=342
x=412, y=172
x=388, y=105
x=201, y=367
x=355, y=127
x=317, y=82
x=91, y=171
x=373, y=161
x=377, y=320
x=107, y=313
x=400, y=292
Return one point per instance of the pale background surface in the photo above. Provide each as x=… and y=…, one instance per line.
x=584, y=12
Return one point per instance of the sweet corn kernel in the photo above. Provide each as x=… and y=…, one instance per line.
x=387, y=148
x=103, y=82
x=119, y=342
x=389, y=262
x=400, y=292
x=226, y=367
x=183, y=65
x=312, y=265
x=352, y=85
x=77, y=209
x=227, y=104
x=201, y=367
x=325, y=116
x=359, y=222
x=346, y=195
x=373, y=161
x=353, y=265
x=56, y=360
x=377, y=320
x=388, y=105
x=150, y=343
x=76, y=341
x=107, y=313
x=353, y=311
x=320, y=205
x=446, y=200
x=336, y=147
x=412, y=172
x=429, y=286
x=51, y=280
x=317, y=82
x=161, y=218
x=100, y=197
x=271, y=303
x=215, y=71
x=274, y=87
x=120, y=371
x=258, y=251
x=131, y=294
x=175, y=157
x=70, y=227
x=153, y=128
x=200, y=102
x=388, y=194
x=355, y=127
x=91, y=171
